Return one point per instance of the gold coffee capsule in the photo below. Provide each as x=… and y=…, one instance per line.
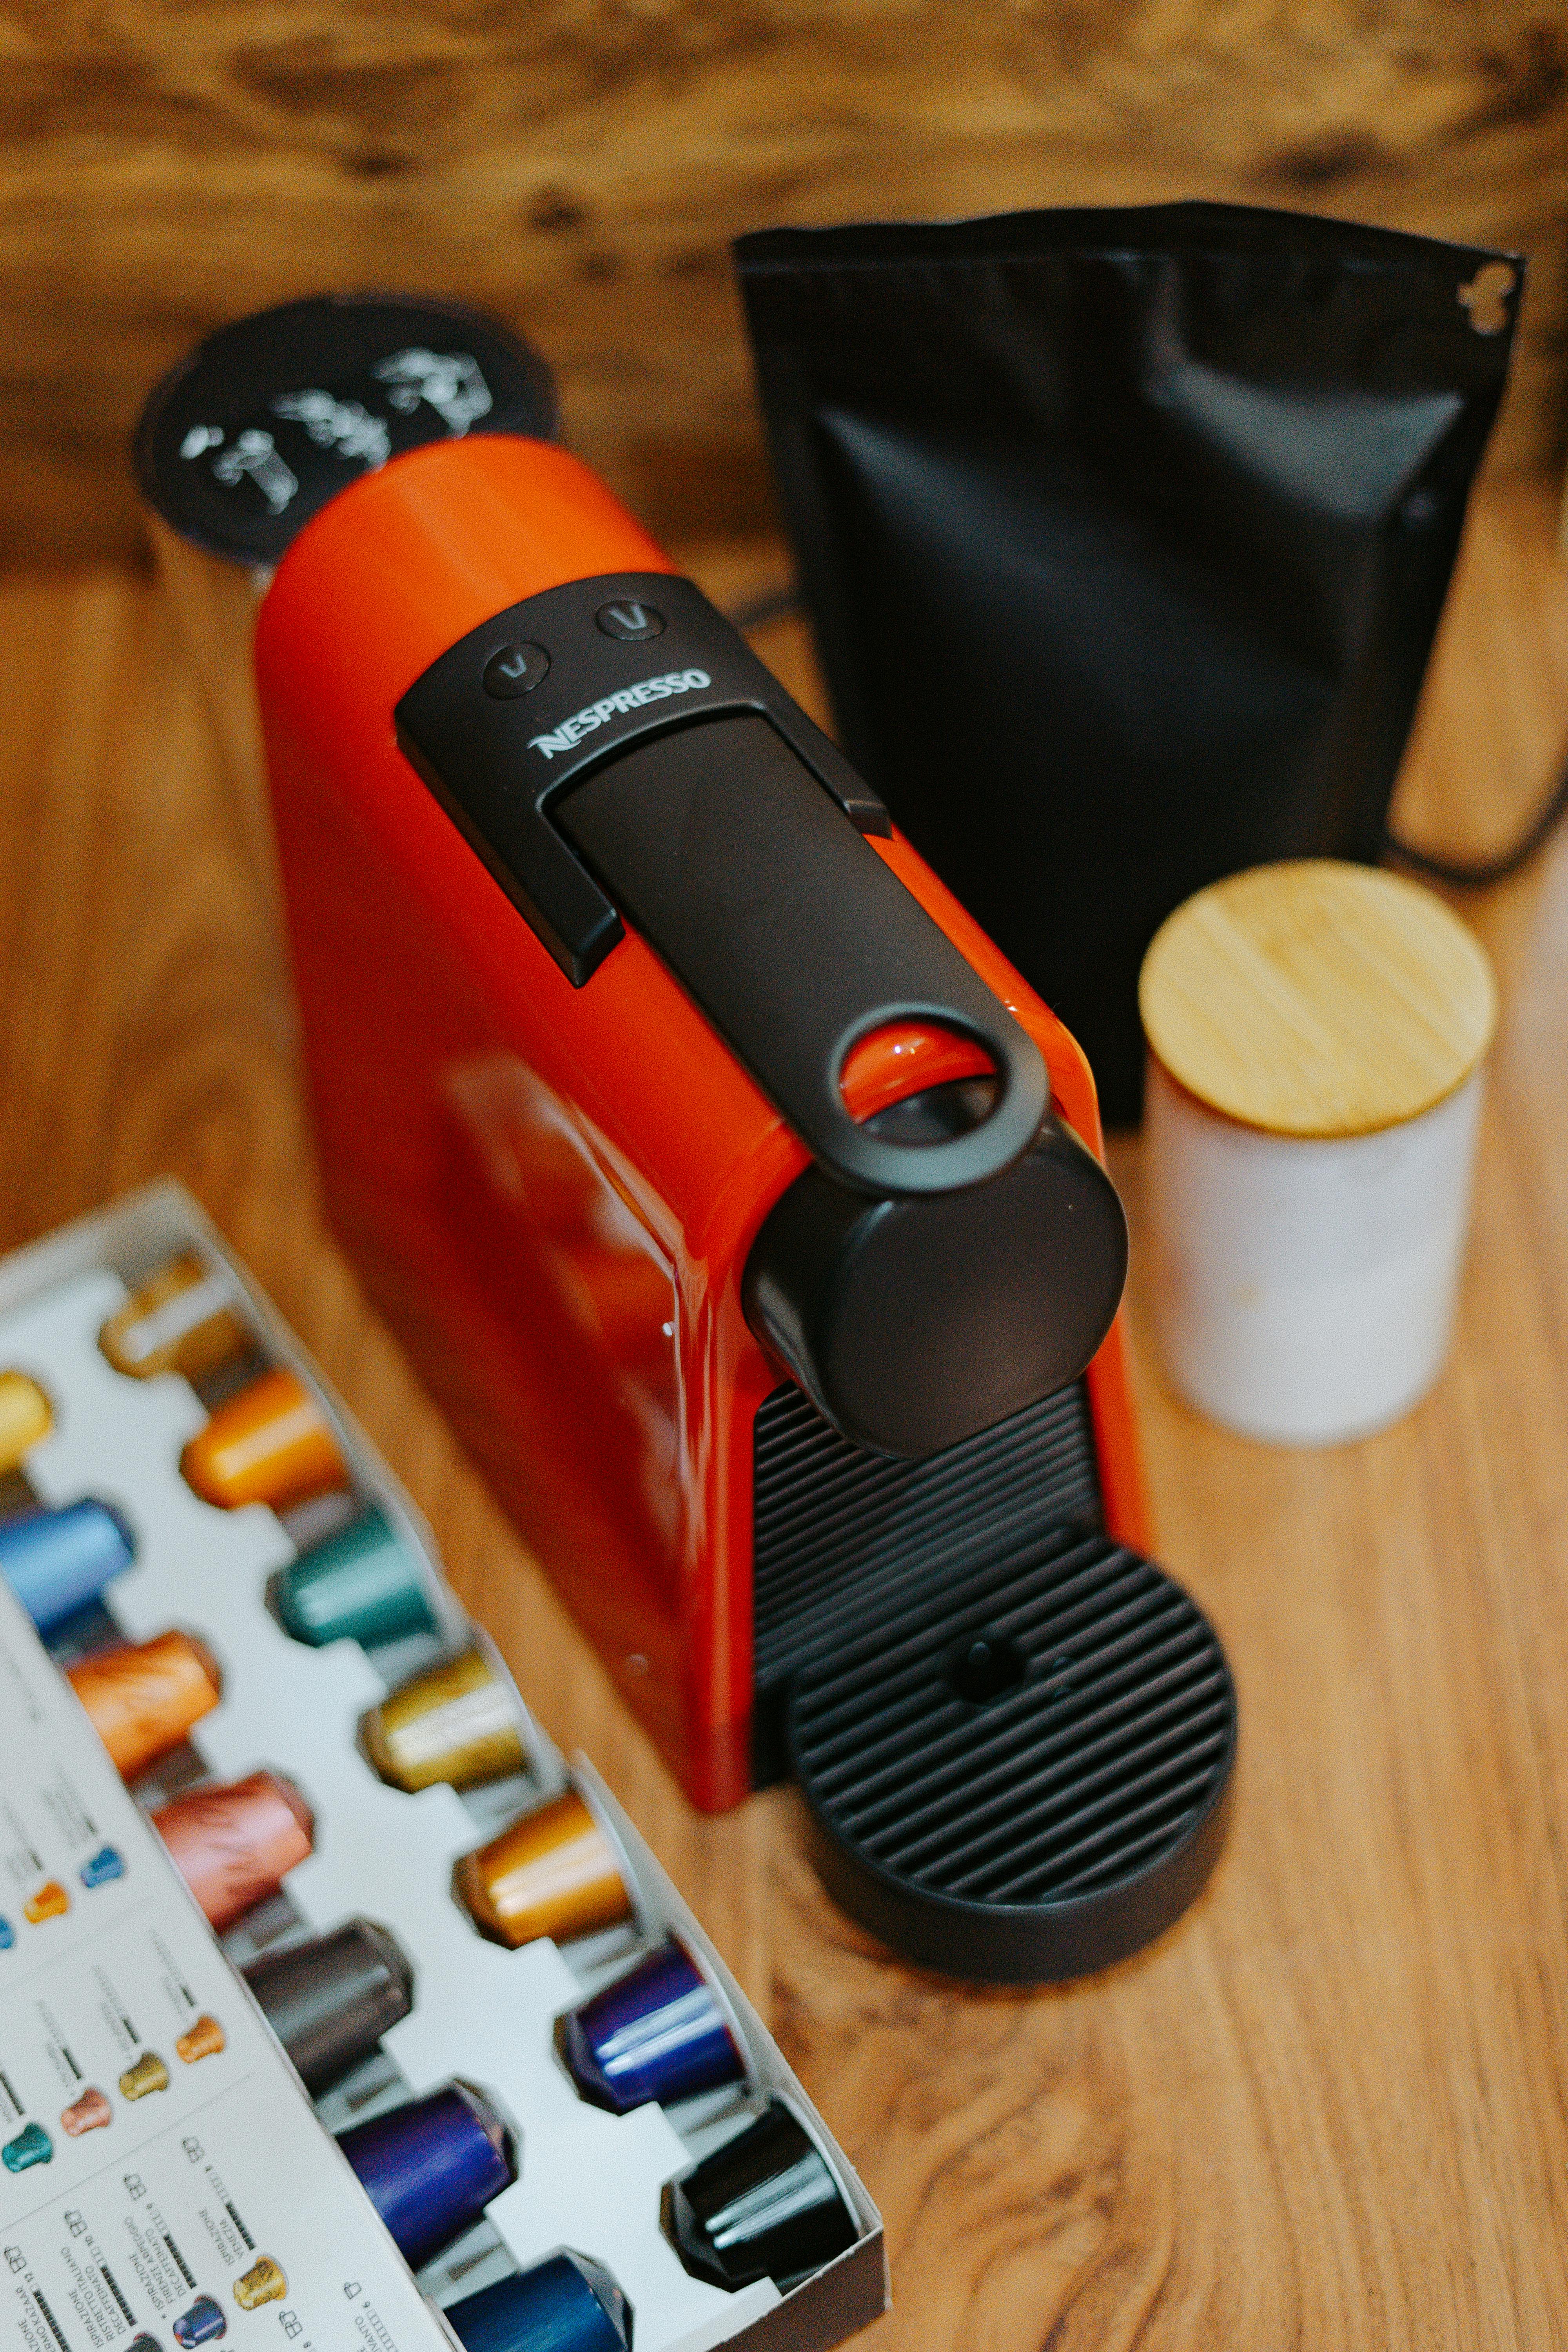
x=25, y=1416
x=263, y=2283
x=554, y=1873
x=455, y=1722
x=50, y=1902
x=147, y=2074
x=205, y=2040
x=182, y=1320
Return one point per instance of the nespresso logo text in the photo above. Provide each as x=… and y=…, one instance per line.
x=629, y=698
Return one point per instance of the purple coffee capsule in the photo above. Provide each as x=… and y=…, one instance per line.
x=658, y=2032
x=432, y=2166
x=565, y=2304
x=202, y=2323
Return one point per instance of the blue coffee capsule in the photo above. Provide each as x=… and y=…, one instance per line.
x=358, y=1585
x=99, y=1868
x=657, y=2032
x=565, y=2304
x=56, y=1562
x=202, y=2323
x=7, y=1935
x=765, y=2205
x=31, y=2146
x=432, y=2166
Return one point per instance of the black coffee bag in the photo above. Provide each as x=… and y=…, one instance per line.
x=1125, y=534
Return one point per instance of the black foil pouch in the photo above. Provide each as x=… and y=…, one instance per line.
x=1125, y=534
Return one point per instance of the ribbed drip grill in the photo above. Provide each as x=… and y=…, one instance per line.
x=1074, y=1780
x=838, y=1529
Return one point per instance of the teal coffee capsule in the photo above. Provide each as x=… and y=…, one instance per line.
x=360, y=1585
x=31, y=2146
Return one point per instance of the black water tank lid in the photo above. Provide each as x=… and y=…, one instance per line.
x=1027, y=1776
x=271, y=416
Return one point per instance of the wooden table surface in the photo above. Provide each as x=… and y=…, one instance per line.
x=1330, y=2108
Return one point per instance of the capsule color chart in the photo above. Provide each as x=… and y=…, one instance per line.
x=152, y=2141
x=509, y=2038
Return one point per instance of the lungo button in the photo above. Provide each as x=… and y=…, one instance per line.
x=515, y=670
x=629, y=620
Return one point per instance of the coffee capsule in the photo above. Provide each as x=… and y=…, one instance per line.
x=101, y=1868
x=7, y=1935
x=204, y=2039
x=764, y=2205
x=149, y=2074
x=57, y=1561
x=263, y=2283
x=202, y=2323
x=91, y=2112
x=565, y=2304
x=360, y=1585
x=331, y=1999
x=271, y=1444
x=233, y=1844
x=432, y=2166
x=181, y=1320
x=657, y=2032
x=143, y=1696
x=18, y=1499
x=553, y=1873
x=26, y=1415
x=50, y=1902
x=455, y=1722
x=31, y=2146
x=144, y=2343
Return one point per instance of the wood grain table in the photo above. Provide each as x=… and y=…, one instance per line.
x=1330, y=2108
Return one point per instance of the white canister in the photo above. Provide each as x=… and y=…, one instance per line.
x=1317, y=1034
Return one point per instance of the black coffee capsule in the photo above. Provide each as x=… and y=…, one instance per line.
x=330, y=2001
x=764, y=2205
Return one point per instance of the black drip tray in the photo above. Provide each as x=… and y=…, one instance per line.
x=1024, y=1776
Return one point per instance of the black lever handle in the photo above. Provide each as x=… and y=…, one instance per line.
x=613, y=747
x=795, y=939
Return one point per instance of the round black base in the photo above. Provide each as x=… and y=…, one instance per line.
x=1027, y=1776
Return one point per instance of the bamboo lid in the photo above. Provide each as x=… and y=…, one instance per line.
x=1316, y=999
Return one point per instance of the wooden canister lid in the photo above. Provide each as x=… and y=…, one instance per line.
x=1316, y=999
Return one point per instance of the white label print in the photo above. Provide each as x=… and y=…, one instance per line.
x=256, y=454
x=341, y=425
x=570, y=733
x=450, y=382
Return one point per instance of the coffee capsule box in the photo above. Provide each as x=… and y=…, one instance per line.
x=527, y=2050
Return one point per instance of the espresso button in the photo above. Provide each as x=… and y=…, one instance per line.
x=629, y=620
x=515, y=670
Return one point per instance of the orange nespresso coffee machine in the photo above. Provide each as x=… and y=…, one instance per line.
x=737, y=1200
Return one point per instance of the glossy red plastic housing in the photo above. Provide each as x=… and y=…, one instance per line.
x=551, y=1192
